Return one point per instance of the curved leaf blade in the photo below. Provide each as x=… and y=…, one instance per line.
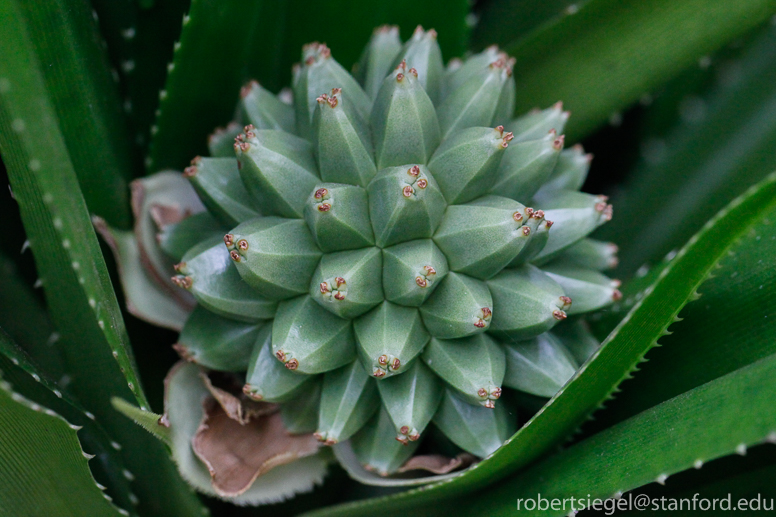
x=607, y=54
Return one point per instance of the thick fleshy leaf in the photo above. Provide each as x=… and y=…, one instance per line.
x=575, y=215
x=526, y=166
x=265, y=110
x=405, y=203
x=342, y=141
x=208, y=272
x=348, y=400
x=267, y=378
x=309, y=339
x=300, y=414
x=338, y=217
x=404, y=121
x=389, y=337
x=540, y=366
x=376, y=60
x=590, y=290
x=348, y=283
x=218, y=184
x=412, y=270
x=277, y=168
x=591, y=253
x=465, y=164
x=481, y=237
x=577, y=338
x=460, y=306
x=537, y=123
x=276, y=257
x=376, y=449
x=216, y=342
x=411, y=399
x=184, y=392
x=473, y=366
x=571, y=170
x=476, y=429
x=176, y=239
x=422, y=53
x=527, y=303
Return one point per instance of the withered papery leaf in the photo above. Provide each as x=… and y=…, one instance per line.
x=236, y=454
x=226, y=388
x=437, y=463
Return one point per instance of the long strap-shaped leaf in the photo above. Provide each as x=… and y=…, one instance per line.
x=43, y=470
x=601, y=374
x=225, y=42
x=604, y=56
x=67, y=256
x=716, y=419
x=28, y=381
x=74, y=68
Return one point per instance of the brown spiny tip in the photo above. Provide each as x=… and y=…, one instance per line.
x=422, y=183
x=517, y=216
x=548, y=224
x=246, y=90
x=422, y=282
x=180, y=265
x=407, y=191
x=496, y=393
x=566, y=301
x=432, y=33
x=526, y=231
x=559, y=315
x=382, y=360
x=229, y=239
x=482, y=392
x=430, y=271
x=324, y=207
x=413, y=71
x=321, y=193
x=378, y=373
x=183, y=282
x=339, y=296
x=557, y=144
x=617, y=295
x=414, y=170
x=322, y=98
x=248, y=391
x=293, y=364
x=184, y=352
x=404, y=429
x=399, y=77
x=191, y=170
x=479, y=324
x=489, y=404
x=558, y=106
x=242, y=244
x=414, y=437
x=330, y=441
x=418, y=31
x=396, y=364
x=325, y=288
x=403, y=440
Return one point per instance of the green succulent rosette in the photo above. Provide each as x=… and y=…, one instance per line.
x=388, y=253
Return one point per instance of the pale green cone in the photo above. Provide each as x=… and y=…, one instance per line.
x=348, y=283
x=575, y=215
x=403, y=120
x=264, y=110
x=411, y=399
x=482, y=237
x=478, y=101
x=376, y=449
x=589, y=289
x=220, y=143
x=278, y=170
x=422, y=53
x=459, y=307
x=538, y=123
x=577, y=338
x=475, y=429
x=267, y=378
x=474, y=366
x=300, y=414
x=526, y=165
x=348, y=400
x=338, y=217
x=405, y=203
x=465, y=164
x=528, y=303
x=473, y=66
x=590, y=253
x=571, y=170
x=377, y=58
x=218, y=184
x=208, y=272
x=217, y=343
x=178, y=238
x=343, y=143
x=389, y=337
x=536, y=243
x=276, y=257
x=309, y=339
x=540, y=366
x=412, y=270
x=317, y=74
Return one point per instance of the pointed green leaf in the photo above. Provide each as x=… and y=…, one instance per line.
x=412, y=270
x=300, y=414
x=376, y=449
x=348, y=283
x=422, y=53
x=411, y=399
x=268, y=379
x=526, y=166
x=389, y=337
x=376, y=60
x=338, y=217
x=540, y=366
x=348, y=400
x=177, y=238
x=589, y=290
x=309, y=339
x=265, y=110
x=460, y=306
x=219, y=186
